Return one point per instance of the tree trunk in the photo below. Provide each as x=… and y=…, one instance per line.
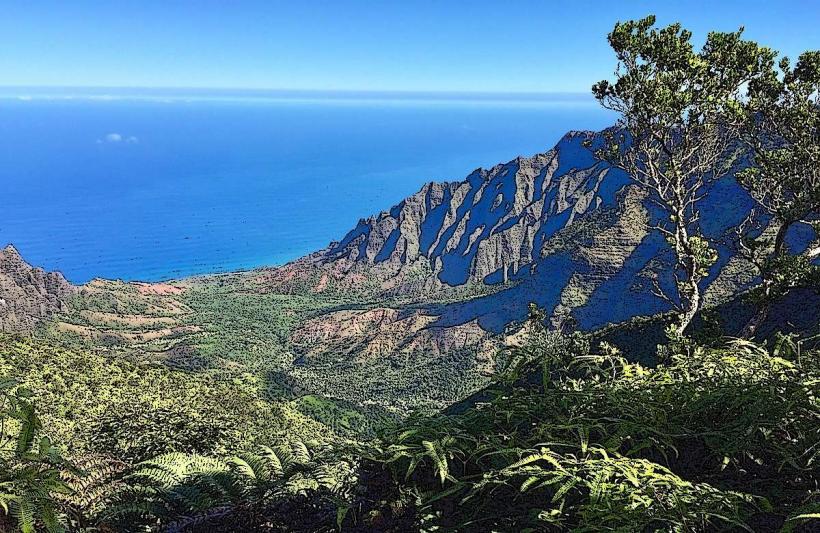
x=691, y=306
x=780, y=239
x=760, y=316
x=690, y=299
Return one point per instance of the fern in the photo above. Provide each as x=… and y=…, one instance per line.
x=30, y=469
x=600, y=446
x=434, y=452
x=183, y=491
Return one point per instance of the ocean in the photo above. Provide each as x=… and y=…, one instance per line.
x=153, y=188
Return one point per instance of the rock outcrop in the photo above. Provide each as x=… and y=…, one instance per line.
x=380, y=332
x=28, y=294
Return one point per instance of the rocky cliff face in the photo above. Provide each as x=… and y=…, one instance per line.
x=28, y=294
x=492, y=225
x=561, y=229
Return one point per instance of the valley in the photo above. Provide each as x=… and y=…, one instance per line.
x=413, y=308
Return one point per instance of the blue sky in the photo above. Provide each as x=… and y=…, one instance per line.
x=478, y=45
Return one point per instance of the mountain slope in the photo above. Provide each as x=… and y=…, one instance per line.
x=561, y=229
x=492, y=224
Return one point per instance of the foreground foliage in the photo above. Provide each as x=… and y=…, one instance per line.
x=90, y=403
x=30, y=467
x=184, y=492
x=714, y=438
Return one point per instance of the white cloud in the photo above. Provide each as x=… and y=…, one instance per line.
x=118, y=138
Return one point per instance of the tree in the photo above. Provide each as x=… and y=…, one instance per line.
x=673, y=137
x=781, y=122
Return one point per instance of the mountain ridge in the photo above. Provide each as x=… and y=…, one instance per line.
x=560, y=228
x=28, y=294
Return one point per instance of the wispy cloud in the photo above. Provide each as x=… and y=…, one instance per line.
x=113, y=138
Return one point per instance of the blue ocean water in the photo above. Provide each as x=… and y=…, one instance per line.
x=152, y=188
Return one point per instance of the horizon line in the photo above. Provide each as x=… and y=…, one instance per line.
x=162, y=92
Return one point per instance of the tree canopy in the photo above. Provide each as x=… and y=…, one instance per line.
x=675, y=134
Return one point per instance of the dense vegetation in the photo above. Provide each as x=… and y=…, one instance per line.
x=715, y=437
x=140, y=410
x=92, y=404
x=710, y=439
